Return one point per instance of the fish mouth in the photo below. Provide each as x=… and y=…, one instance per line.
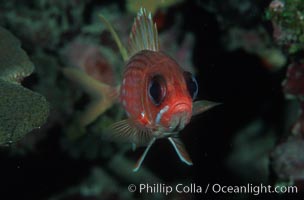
x=180, y=117
x=178, y=122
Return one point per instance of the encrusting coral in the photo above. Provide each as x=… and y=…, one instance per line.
x=21, y=110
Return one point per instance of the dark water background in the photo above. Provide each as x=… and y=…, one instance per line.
x=248, y=90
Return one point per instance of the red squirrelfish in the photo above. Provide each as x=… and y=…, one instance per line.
x=156, y=93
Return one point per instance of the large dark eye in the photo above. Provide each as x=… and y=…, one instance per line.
x=191, y=84
x=157, y=89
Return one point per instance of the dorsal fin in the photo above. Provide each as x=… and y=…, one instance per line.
x=144, y=34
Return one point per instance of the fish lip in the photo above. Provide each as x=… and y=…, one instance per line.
x=181, y=107
x=180, y=103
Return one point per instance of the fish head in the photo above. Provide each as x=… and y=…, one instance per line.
x=169, y=94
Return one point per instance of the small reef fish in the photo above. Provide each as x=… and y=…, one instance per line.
x=156, y=93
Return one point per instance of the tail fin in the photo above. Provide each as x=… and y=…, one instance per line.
x=103, y=95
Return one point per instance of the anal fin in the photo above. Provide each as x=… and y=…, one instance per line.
x=180, y=150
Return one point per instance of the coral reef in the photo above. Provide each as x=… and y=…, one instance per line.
x=15, y=64
x=287, y=18
x=21, y=109
x=288, y=160
x=256, y=42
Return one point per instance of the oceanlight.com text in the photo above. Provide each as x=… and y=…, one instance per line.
x=253, y=189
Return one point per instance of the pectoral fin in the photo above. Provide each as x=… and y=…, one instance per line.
x=131, y=131
x=202, y=106
x=180, y=150
x=142, y=157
